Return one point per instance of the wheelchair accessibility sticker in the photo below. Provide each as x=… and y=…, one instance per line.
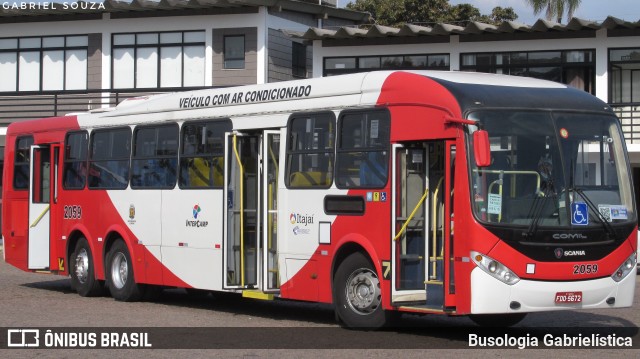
x=579, y=214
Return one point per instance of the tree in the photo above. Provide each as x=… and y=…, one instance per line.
x=555, y=9
x=399, y=12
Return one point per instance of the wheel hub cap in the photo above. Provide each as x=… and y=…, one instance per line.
x=119, y=270
x=363, y=291
x=82, y=266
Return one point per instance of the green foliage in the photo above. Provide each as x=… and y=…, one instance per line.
x=554, y=9
x=399, y=12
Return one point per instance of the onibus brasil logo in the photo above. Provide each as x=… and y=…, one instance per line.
x=195, y=222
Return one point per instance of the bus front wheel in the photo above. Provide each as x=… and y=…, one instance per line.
x=119, y=273
x=357, y=294
x=81, y=268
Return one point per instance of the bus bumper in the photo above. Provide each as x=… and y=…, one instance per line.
x=489, y=295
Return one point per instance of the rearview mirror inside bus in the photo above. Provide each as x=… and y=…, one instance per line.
x=481, y=148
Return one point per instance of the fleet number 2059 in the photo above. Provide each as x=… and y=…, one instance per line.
x=72, y=212
x=585, y=268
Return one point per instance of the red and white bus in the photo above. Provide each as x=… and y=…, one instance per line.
x=342, y=190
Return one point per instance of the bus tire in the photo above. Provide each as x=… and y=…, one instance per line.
x=119, y=273
x=81, y=268
x=357, y=295
x=497, y=320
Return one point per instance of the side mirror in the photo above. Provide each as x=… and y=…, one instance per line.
x=481, y=148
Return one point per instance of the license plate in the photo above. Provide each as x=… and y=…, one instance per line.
x=569, y=297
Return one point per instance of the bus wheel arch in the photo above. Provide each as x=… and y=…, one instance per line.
x=357, y=288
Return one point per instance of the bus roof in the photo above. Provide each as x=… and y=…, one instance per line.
x=469, y=90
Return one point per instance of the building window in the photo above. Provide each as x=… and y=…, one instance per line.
x=624, y=69
x=345, y=65
x=158, y=60
x=575, y=68
x=234, y=52
x=154, y=163
x=202, y=154
x=56, y=63
x=310, y=150
x=21, y=165
x=75, y=160
x=109, y=158
x=299, y=60
x=362, y=159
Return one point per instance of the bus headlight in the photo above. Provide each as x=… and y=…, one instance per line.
x=495, y=268
x=626, y=268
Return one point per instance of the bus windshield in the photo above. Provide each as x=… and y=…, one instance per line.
x=552, y=169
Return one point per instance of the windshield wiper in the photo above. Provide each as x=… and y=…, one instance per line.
x=605, y=224
x=538, y=209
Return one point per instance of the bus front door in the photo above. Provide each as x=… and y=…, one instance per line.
x=42, y=195
x=420, y=225
x=251, y=197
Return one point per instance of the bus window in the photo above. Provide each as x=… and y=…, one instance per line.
x=109, y=162
x=202, y=154
x=21, y=164
x=310, y=150
x=75, y=160
x=363, y=150
x=155, y=157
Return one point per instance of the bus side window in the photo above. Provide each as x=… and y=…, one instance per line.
x=155, y=157
x=363, y=149
x=310, y=150
x=202, y=154
x=110, y=152
x=22, y=162
x=75, y=160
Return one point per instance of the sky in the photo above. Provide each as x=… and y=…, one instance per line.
x=596, y=10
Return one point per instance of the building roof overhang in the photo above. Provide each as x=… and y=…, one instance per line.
x=541, y=26
x=35, y=11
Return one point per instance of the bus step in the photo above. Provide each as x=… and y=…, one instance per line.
x=256, y=294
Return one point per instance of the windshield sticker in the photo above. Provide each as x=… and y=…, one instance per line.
x=611, y=212
x=579, y=214
x=564, y=133
x=495, y=204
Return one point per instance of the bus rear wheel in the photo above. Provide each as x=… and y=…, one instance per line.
x=81, y=268
x=119, y=273
x=357, y=294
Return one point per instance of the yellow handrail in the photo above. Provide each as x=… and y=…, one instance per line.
x=271, y=224
x=235, y=151
x=37, y=220
x=413, y=213
x=434, y=233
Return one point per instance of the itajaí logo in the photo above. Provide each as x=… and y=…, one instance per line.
x=198, y=223
x=300, y=219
